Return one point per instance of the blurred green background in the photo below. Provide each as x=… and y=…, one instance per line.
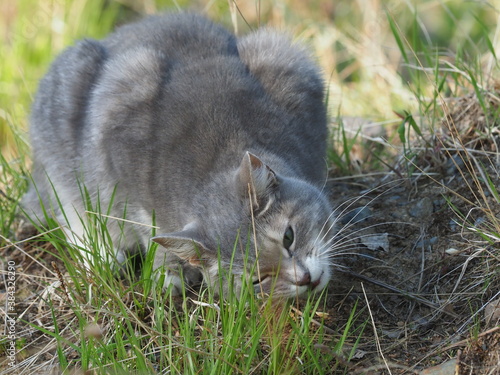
x=374, y=53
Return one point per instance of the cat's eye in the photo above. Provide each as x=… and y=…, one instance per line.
x=288, y=238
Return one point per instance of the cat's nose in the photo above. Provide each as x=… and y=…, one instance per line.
x=305, y=280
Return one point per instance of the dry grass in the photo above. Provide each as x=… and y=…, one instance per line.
x=412, y=98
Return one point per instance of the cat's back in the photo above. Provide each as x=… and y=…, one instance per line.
x=172, y=100
x=177, y=82
x=203, y=88
x=181, y=37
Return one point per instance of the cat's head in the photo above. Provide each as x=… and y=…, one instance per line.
x=284, y=240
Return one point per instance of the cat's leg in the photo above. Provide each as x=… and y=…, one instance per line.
x=84, y=233
x=170, y=266
x=177, y=273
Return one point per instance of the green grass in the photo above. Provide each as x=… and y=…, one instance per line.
x=398, y=63
x=127, y=324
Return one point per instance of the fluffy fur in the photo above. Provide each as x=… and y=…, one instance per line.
x=216, y=135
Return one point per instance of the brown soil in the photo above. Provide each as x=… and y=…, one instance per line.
x=432, y=292
x=421, y=292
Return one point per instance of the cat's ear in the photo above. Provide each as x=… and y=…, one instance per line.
x=257, y=180
x=186, y=244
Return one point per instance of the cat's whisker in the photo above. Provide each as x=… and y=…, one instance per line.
x=352, y=221
x=323, y=227
x=339, y=237
x=348, y=243
x=359, y=255
x=334, y=222
x=122, y=219
x=349, y=203
x=354, y=236
x=343, y=250
x=371, y=226
x=339, y=267
x=326, y=176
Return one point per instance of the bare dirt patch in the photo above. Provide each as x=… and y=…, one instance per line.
x=426, y=291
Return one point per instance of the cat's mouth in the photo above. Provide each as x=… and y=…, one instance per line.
x=311, y=285
x=261, y=279
x=314, y=284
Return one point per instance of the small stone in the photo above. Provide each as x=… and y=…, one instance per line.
x=421, y=322
x=454, y=226
x=454, y=164
x=376, y=242
x=438, y=203
x=479, y=221
x=424, y=208
x=426, y=242
x=93, y=330
x=447, y=368
x=392, y=334
x=394, y=199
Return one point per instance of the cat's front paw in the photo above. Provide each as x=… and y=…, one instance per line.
x=174, y=283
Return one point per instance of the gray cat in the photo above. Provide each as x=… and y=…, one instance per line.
x=221, y=139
